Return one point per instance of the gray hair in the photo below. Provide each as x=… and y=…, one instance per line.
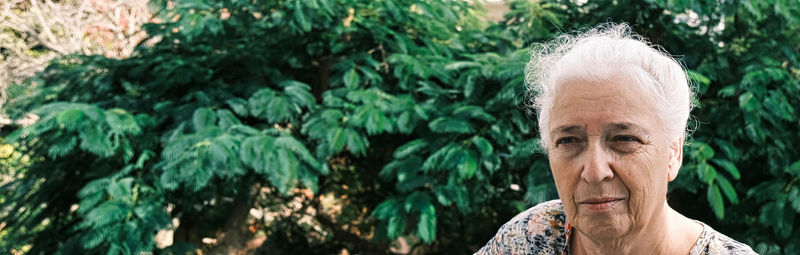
x=596, y=55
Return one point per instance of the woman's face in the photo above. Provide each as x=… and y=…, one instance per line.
x=610, y=157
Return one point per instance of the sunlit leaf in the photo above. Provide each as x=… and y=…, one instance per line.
x=426, y=228
x=468, y=164
x=351, y=79
x=714, y=198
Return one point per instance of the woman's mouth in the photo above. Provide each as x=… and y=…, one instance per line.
x=601, y=203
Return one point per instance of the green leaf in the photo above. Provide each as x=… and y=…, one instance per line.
x=727, y=189
x=702, y=151
x=351, y=79
x=450, y=125
x=397, y=225
x=730, y=151
x=474, y=112
x=290, y=143
x=706, y=173
x=426, y=228
x=366, y=96
x=120, y=189
x=468, y=164
x=332, y=115
x=222, y=153
x=62, y=147
x=203, y=117
x=794, y=197
x=337, y=139
x=728, y=166
x=227, y=119
x=753, y=8
x=422, y=111
x=95, y=140
x=445, y=194
x=794, y=168
x=106, y=213
x=243, y=130
x=385, y=209
x=268, y=104
x=71, y=118
x=300, y=16
x=417, y=201
x=469, y=88
x=698, y=77
x=309, y=179
x=405, y=166
x=92, y=239
x=749, y=102
x=772, y=214
x=404, y=123
x=355, y=142
x=279, y=109
x=463, y=199
x=300, y=93
x=254, y=148
x=239, y=106
x=454, y=66
x=714, y=198
x=436, y=159
x=122, y=122
x=96, y=186
x=143, y=158
x=359, y=116
x=492, y=163
x=377, y=123
x=766, y=190
x=284, y=176
x=410, y=148
x=483, y=145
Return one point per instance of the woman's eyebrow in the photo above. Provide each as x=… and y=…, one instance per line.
x=568, y=129
x=625, y=126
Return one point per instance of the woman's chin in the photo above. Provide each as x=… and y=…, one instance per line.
x=603, y=226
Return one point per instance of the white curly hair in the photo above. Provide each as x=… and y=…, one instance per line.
x=596, y=55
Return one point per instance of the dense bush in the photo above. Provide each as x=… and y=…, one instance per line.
x=312, y=126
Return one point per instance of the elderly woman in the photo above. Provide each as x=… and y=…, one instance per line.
x=612, y=117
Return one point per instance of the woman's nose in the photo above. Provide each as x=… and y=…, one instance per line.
x=597, y=164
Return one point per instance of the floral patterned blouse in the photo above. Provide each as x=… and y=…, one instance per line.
x=543, y=230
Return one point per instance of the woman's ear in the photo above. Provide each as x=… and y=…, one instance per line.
x=675, y=158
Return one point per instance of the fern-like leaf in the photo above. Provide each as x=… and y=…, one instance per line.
x=202, y=118
x=71, y=119
x=95, y=140
x=295, y=146
x=62, y=147
x=120, y=121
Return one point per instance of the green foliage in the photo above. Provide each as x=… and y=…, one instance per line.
x=412, y=113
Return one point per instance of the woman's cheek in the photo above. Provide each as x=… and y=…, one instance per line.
x=566, y=179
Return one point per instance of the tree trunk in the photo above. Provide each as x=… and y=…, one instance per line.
x=235, y=238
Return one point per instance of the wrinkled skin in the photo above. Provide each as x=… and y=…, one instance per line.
x=612, y=160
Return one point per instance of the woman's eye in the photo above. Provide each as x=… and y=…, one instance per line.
x=566, y=140
x=626, y=138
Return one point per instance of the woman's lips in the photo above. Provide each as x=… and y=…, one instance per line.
x=601, y=204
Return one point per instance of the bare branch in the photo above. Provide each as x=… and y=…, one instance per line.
x=103, y=27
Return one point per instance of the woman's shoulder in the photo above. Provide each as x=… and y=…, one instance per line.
x=712, y=242
x=538, y=230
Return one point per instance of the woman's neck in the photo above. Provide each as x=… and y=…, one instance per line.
x=668, y=232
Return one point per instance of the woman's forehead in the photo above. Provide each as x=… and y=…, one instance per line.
x=604, y=105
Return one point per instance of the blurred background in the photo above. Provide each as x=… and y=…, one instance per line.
x=354, y=126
